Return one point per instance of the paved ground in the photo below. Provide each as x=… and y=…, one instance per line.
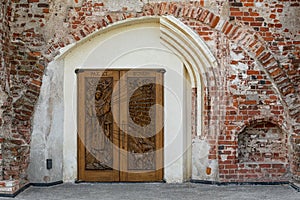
x=120, y=191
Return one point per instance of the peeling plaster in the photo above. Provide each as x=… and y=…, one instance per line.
x=48, y=128
x=235, y=56
x=220, y=7
x=117, y=5
x=56, y=25
x=239, y=66
x=200, y=152
x=129, y=5
x=224, y=157
x=288, y=17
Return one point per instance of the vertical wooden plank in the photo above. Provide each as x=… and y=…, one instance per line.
x=116, y=130
x=123, y=126
x=159, y=125
x=80, y=122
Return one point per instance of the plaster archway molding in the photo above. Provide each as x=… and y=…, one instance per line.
x=192, y=50
x=180, y=41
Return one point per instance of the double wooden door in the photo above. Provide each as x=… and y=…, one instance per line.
x=120, y=125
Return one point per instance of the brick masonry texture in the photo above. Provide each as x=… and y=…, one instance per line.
x=257, y=46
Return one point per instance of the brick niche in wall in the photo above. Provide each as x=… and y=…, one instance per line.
x=262, y=153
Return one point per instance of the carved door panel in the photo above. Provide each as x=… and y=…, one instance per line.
x=141, y=113
x=98, y=133
x=120, y=125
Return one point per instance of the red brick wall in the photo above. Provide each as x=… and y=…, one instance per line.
x=21, y=74
x=257, y=75
x=262, y=153
x=266, y=18
x=282, y=39
x=262, y=142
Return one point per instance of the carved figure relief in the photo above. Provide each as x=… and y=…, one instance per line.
x=99, y=117
x=120, y=125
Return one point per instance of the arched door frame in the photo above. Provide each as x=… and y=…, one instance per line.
x=182, y=42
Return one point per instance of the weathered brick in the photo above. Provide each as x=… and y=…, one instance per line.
x=214, y=21
x=247, y=91
x=43, y=5
x=236, y=4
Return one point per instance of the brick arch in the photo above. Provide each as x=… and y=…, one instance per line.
x=278, y=122
x=258, y=159
x=246, y=38
x=274, y=120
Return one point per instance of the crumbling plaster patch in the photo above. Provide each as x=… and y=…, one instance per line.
x=203, y=168
x=48, y=128
x=130, y=5
x=220, y=7
x=57, y=26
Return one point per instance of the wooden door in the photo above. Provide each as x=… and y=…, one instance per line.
x=120, y=125
x=141, y=113
x=98, y=133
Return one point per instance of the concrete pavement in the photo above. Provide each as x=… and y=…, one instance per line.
x=148, y=191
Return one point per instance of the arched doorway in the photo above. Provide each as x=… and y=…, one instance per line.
x=146, y=43
x=143, y=43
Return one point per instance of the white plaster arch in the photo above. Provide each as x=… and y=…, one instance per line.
x=182, y=41
x=194, y=53
x=176, y=42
